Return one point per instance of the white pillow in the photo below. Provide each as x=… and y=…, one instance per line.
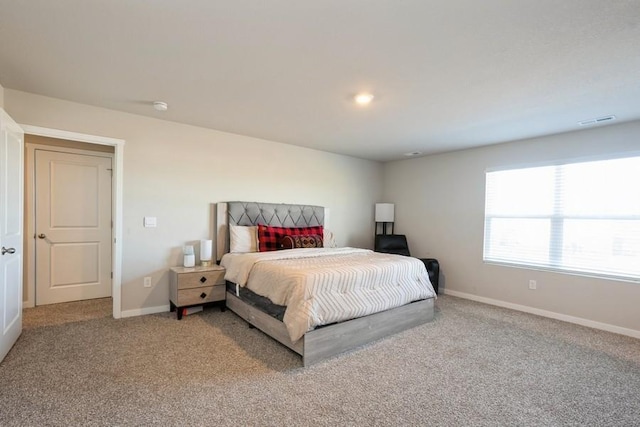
x=329, y=241
x=243, y=239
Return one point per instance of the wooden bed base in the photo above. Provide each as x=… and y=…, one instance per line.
x=328, y=341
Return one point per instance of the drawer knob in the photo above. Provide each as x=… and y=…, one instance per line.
x=203, y=279
x=203, y=295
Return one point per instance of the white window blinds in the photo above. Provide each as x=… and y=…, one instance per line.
x=578, y=217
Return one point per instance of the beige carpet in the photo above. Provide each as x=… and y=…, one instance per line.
x=473, y=365
x=68, y=312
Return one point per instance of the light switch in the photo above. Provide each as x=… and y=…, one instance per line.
x=150, y=221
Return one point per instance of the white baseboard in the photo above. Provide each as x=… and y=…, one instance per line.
x=144, y=311
x=558, y=316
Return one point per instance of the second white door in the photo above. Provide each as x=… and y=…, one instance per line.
x=73, y=226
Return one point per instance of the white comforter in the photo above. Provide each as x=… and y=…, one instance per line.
x=326, y=285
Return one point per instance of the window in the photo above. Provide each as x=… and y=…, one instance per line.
x=576, y=217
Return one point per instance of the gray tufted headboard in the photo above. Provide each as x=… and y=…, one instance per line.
x=254, y=213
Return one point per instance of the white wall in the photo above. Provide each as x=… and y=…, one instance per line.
x=1, y=97
x=176, y=172
x=440, y=206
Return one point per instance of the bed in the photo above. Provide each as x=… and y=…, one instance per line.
x=251, y=278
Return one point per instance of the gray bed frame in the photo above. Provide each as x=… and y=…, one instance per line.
x=327, y=341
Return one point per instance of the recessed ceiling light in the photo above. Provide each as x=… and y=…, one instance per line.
x=160, y=106
x=413, y=153
x=363, y=98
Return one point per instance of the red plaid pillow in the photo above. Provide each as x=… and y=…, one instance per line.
x=270, y=238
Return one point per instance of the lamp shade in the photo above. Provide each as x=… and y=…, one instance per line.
x=205, y=250
x=384, y=212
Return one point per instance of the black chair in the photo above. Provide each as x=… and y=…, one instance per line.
x=397, y=244
x=392, y=244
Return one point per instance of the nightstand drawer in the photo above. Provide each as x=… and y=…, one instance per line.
x=201, y=295
x=200, y=279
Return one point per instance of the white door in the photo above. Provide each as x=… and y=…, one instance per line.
x=73, y=226
x=11, y=197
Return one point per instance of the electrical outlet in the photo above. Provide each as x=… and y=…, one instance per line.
x=147, y=282
x=533, y=284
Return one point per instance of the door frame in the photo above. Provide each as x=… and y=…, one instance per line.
x=116, y=206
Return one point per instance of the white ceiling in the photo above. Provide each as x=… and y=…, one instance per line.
x=446, y=74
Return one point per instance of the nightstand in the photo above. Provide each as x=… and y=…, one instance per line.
x=195, y=286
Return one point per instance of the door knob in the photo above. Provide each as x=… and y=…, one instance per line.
x=42, y=236
x=8, y=251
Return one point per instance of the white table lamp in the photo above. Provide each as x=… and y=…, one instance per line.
x=206, y=249
x=385, y=213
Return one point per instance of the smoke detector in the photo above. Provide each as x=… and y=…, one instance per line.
x=160, y=106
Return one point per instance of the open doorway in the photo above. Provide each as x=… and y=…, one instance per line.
x=68, y=202
x=76, y=267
